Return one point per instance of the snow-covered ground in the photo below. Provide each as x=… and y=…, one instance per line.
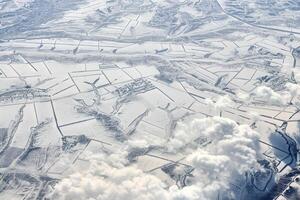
x=141, y=99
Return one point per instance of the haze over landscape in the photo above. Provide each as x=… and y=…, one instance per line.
x=149, y=99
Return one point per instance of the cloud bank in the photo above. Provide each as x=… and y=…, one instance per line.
x=229, y=151
x=219, y=103
x=267, y=94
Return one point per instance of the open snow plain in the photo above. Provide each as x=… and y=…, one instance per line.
x=149, y=99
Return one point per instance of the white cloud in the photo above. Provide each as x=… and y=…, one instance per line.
x=293, y=89
x=232, y=152
x=284, y=97
x=104, y=181
x=219, y=103
x=138, y=143
x=254, y=116
x=243, y=96
x=212, y=128
x=269, y=95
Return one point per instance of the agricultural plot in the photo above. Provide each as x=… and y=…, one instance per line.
x=146, y=99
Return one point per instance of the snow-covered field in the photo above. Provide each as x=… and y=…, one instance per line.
x=149, y=99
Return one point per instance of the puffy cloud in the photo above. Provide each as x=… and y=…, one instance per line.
x=103, y=181
x=219, y=103
x=243, y=96
x=231, y=151
x=191, y=131
x=202, y=191
x=269, y=95
x=294, y=89
x=139, y=143
x=254, y=116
